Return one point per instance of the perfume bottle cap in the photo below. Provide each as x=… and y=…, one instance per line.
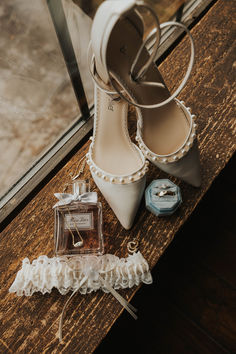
x=80, y=186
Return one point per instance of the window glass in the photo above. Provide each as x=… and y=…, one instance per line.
x=37, y=102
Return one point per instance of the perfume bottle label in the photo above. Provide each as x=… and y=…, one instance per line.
x=82, y=221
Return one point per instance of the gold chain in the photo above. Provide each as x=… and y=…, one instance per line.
x=75, y=244
x=80, y=168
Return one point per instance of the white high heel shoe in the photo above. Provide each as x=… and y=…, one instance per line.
x=118, y=166
x=166, y=132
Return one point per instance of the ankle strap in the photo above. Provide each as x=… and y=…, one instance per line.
x=107, y=15
x=113, y=82
x=105, y=19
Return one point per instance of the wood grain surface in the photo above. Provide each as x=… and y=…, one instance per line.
x=191, y=303
x=30, y=325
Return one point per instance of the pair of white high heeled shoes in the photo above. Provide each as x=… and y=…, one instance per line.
x=124, y=73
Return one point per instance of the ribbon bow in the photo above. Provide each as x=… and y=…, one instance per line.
x=67, y=198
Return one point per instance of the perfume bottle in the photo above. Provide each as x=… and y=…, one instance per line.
x=78, y=223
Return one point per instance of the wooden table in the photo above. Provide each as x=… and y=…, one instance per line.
x=30, y=325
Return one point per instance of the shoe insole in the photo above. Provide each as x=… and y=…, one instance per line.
x=113, y=150
x=164, y=129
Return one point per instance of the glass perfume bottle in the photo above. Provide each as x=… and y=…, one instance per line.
x=78, y=223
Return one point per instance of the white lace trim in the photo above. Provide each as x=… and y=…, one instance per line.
x=82, y=273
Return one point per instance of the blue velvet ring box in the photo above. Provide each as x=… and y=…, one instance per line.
x=162, y=197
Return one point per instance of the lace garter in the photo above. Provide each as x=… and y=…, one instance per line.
x=84, y=274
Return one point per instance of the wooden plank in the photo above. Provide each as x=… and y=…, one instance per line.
x=160, y=328
x=212, y=304
x=206, y=289
x=30, y=324
x=209, y=235
x=170, y=322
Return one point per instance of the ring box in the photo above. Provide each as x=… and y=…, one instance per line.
x=162, y=197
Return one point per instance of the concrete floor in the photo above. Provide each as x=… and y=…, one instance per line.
x=37, y=102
